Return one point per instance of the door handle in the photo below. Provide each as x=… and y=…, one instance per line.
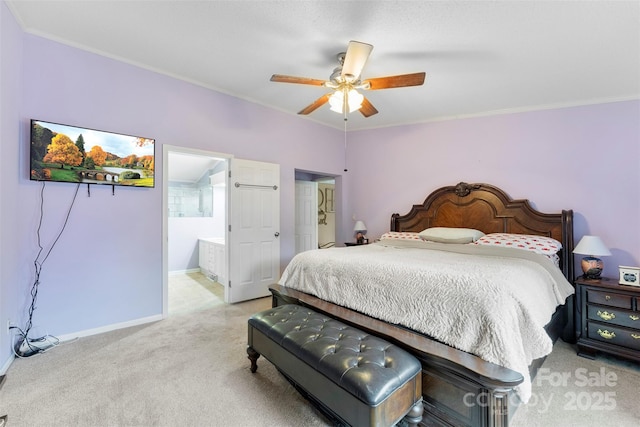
x=277, y=233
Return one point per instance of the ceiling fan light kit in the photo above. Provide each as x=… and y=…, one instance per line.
x=345, y=82
x=350, y=98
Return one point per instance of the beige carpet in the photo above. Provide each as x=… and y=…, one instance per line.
x=191, y=370
x=570, y=390
x=187, y=370
x=193, y=291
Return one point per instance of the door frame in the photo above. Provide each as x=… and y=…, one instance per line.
x=318, y=177
x=166, y=149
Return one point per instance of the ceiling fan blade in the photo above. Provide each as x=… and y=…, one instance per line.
x=355, y=59
x=403, y=80
x=315, y=104
x=280, y=78
x=367, y=109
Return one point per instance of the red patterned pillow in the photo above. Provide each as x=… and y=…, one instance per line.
x=540, y=244
x=400, y=235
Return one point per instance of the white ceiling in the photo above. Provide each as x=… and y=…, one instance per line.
x=481, y=57
x=189, y=168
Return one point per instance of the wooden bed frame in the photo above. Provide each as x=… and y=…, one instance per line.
x=460, y=389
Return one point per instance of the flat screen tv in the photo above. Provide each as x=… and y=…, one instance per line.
x=64, y=153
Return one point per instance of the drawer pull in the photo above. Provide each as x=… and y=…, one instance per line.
x=607, y=297
x=635, y=336
x=606, y=334
x=606, y=315
x=633, y=317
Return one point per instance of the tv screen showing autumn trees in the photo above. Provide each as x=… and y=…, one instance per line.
x=71, y=154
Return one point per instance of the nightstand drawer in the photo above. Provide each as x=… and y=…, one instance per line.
x=614, y=335
x=630, y=319
x=609, y=298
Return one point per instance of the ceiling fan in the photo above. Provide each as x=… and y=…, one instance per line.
x=346, y=81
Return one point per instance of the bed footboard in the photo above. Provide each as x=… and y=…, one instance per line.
x=458, y=389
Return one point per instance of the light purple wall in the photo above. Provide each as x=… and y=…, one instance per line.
x=183, y=233
x=106, y=268
x=582, y=158
x=11, y=241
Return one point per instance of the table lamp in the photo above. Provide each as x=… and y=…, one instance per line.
x=593, y=247
x=360, y=230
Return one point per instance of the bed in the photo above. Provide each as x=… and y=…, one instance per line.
x=460, y=388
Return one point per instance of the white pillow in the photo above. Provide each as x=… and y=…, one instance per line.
x=450, y=235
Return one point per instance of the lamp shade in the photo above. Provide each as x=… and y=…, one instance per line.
x=360, y=227
x=591, y=245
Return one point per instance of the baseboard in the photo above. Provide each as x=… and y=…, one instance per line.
x=109, y=328
x=4, y=368
x=190, y=270
x=88, y=332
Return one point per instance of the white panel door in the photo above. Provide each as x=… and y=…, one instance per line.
x=306, y=216
x=254, y=228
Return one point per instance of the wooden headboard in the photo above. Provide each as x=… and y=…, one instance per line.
x=490, y=210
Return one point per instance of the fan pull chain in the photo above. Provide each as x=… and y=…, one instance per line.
x=345, y=141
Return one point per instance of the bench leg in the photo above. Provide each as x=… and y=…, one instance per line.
x=253, y=357
x=414, y=416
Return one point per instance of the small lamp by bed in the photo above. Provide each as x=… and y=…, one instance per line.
x=593, y=247
x=360, y=231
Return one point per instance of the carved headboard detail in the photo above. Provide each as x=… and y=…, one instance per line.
x=490, y=210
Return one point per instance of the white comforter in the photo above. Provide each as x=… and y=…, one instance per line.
x=489, y=301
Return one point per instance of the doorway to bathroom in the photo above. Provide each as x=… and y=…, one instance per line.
x=199, y=208
x=196, y=218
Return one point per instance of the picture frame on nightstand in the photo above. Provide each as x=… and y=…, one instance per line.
x=629, y=275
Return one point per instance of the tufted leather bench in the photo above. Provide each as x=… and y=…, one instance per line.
x=356, y=378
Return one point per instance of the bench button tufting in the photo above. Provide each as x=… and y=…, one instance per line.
x=351, y=359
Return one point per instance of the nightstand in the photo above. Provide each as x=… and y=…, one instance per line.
x=355, y=244
x=607, y=318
